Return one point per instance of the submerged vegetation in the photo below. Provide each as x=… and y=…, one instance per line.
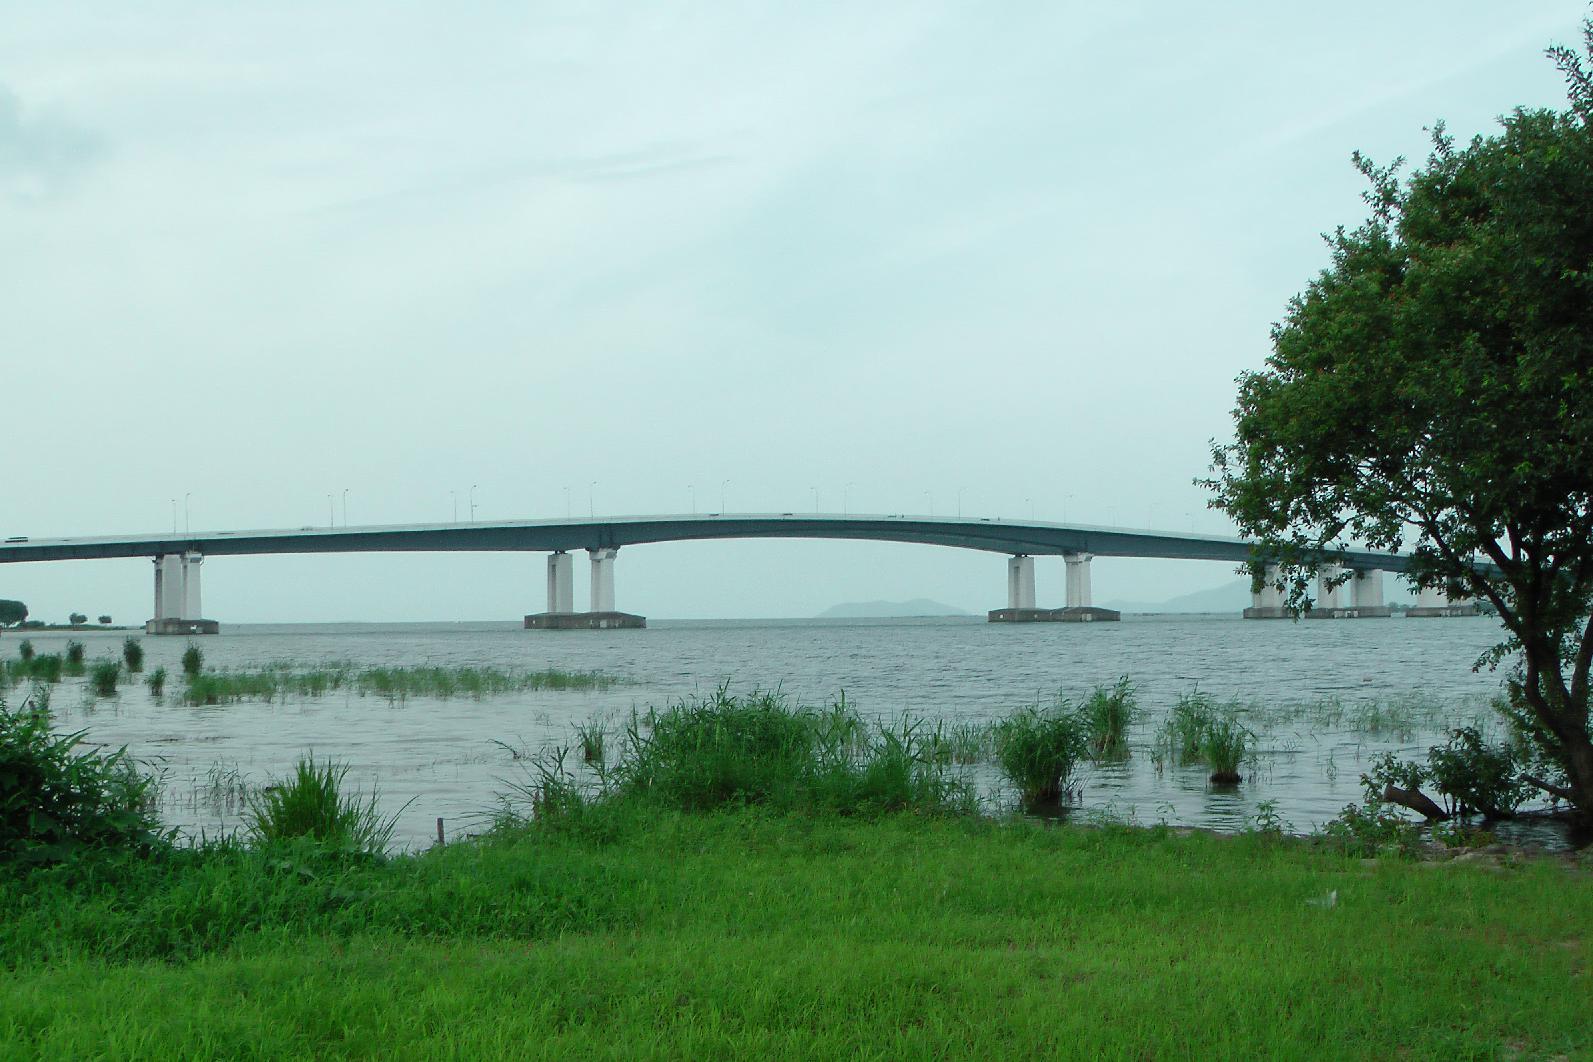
x=393, y=683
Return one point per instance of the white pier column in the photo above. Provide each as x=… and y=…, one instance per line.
x=169, y=603
x=1020, y=581
x=1078, y=579
x=1431, y=597
x=602, y=579
x=192, y=609
x=1328, y=597
x=561, y=583
x=1367, y=589
x=1269, y=596
x=160, y=590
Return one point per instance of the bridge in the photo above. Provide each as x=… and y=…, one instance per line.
x=178, y=558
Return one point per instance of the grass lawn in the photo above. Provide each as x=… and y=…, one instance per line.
x=752, y=934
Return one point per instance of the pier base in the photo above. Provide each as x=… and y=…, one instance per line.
x=584, y=621
x=1267, y=612
x=1352, y=612
x=1078, y=614
x=1441, y=610
x=181, y=626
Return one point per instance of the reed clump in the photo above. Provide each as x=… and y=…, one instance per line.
x=193, y=660
x=1199, y=730
x=312, y=805
x=1108, y=712
x=133, y=655
x=157, y=682
x=731, y=750
x=103, y=677
x=280, y=681
x=1039, y=748
x=75, y=654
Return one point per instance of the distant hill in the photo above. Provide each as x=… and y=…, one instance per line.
x=919, y=606
x=1232, y=597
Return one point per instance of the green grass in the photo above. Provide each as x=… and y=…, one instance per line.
x=1108, y=712
x=748, y=934
x=1039, y=748
x=314, y=804
x=133, y=654
x=285, y=680
x=103, y=676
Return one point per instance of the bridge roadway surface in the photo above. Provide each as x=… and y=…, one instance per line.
x=989, y=534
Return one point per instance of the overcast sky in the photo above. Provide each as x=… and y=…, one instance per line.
x=897, y=254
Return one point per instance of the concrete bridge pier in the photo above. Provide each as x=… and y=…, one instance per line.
x=177, y=598
x=1269, y=602
x=1359, y=598
x=561, y=614
x=1021, y=597
x=1431, y=601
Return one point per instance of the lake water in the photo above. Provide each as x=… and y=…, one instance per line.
x=442, y=758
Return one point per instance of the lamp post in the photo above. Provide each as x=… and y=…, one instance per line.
x=345, y=506
x=472, y=503
x=185, y=512
x=331, y=515
x=174, y=516
x=722, y=485
x=591, y=499
x=566, y=501
x=692, y=487
x=959, y=501
x=454, y=494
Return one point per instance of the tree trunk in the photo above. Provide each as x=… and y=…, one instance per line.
x=1414, y=799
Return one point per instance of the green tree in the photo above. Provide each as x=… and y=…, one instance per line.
x=1432, y=391
x=77, y=619
x=12, y=613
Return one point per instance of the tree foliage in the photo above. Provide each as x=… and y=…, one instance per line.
x=12, y=613
x=1432, y=391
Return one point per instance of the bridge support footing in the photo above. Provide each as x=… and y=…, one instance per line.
x=1352, y=612
x=1078, y=614
x=181, y=626
x=585, y=621
x=1427, y=612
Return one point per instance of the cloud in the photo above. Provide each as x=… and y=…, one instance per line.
x=40, y=154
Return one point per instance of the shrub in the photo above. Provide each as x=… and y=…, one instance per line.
x=56, y=800
x=157, y=681
x=103, y=676
x=1107, y=714
x=1474, y=777
x=25, y=650
x=311, y=805
x=1223, y=746
x=193, y=660
x=133, y=654
x=1038, y=749
x=1372, y=829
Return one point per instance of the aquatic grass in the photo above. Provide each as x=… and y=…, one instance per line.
x=193, y=660
x=590, y=735
x=133, y=655
x=157, y=682
x=25, y=650
x=1224, y=746
x=103, y=677
x=75, y=653
x=311, y=805
x=1039, y=748
x=284, y=680
x=1107, y=713
x=1184, y=728
x=46, y=667
x=963, y=744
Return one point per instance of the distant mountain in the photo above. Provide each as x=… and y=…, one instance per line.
x=1232, y=597
x=919, y=606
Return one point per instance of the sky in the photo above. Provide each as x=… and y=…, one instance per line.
x=562, y=258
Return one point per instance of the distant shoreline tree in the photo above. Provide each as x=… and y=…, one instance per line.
x=12, y=613
x=1432, y=390
x=77, y=619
